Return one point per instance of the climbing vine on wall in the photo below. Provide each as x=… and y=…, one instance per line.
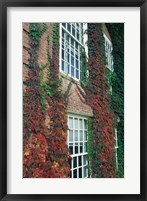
x=45, y=145
x=117, y=81
x=97, y=96
x=35, y=145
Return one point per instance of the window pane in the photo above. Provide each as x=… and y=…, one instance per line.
x=70, y=135
x=72, y=41
x=75, y=173
x=77, y=74
x=72, y=71
x=63, y=65
x=76, y=148
x=70, y=123
x=81, y=147
x=68, y=58
x=68, y=68
x=85, y=171
x=64, y=24
x=85, y=159
x=78, y=36
x=74, y=162
x=75, y=123
x=72, y=60
x=63, y=54
x=68, y=27
x=77, y=63
x=80, y=123
x=80, y=172
x=76, y=45
x=71, y=149
x=81, y=135
x=85, y=124
x=73, y=31
x=85, y=147
x=85, y=135
x=80, y=160
x=76, y=135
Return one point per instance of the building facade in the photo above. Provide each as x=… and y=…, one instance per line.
x=72, y=42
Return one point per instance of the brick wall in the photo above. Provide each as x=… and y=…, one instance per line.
x=76, y=102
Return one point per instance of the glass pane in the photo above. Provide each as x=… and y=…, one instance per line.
x=81, y=135
x=80, y=123
x=63, y=34
x=72, y=60
x=75, y=174
x=85, y=147
x=77, y=74
x=76, y=148
x=85, y=159
x=66, y=68
x=72, y=41
x=74, y=162
x=63, y=54
x=75, y=123
x=67, y=38
x=76, y=135
x=85, y=171
x=77, y=64
x=80, y=160
x=80, y=172
x=71, y=149
x=68, y=27
x=81, y=147
x=70, y=123
x=72, y=71
x=85, y=124
x=64, y=24
x=85, y=135
x=62, y=65
x=68, y=58
x=70, y=135
x=78, y=36
x=76, y=45
x=76, y=53
x=73, y=31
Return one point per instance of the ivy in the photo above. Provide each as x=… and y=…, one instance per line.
x=46, y=153
x=117, y=80
x=102, y=161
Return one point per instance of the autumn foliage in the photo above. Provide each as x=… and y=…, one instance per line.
x=45, y=151
x=98, y=97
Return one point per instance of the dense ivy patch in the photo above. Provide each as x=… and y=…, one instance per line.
x=45, y=148
x=117, y=81
x=97, y=93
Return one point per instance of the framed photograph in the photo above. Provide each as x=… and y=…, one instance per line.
x=73, y=94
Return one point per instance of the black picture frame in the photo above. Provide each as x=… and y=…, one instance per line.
x=4, y=4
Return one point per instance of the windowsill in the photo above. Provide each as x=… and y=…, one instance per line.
x=70, y=78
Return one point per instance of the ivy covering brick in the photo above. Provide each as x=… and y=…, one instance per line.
x=97, y=96
x=45, y=148
x=117, y=81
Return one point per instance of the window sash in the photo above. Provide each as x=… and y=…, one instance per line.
x=78, y=145
x=71, y=49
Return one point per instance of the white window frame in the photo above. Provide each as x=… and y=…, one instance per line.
x=108, y=53
x=83, y=130
x=84, y=46
x=116, y=147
